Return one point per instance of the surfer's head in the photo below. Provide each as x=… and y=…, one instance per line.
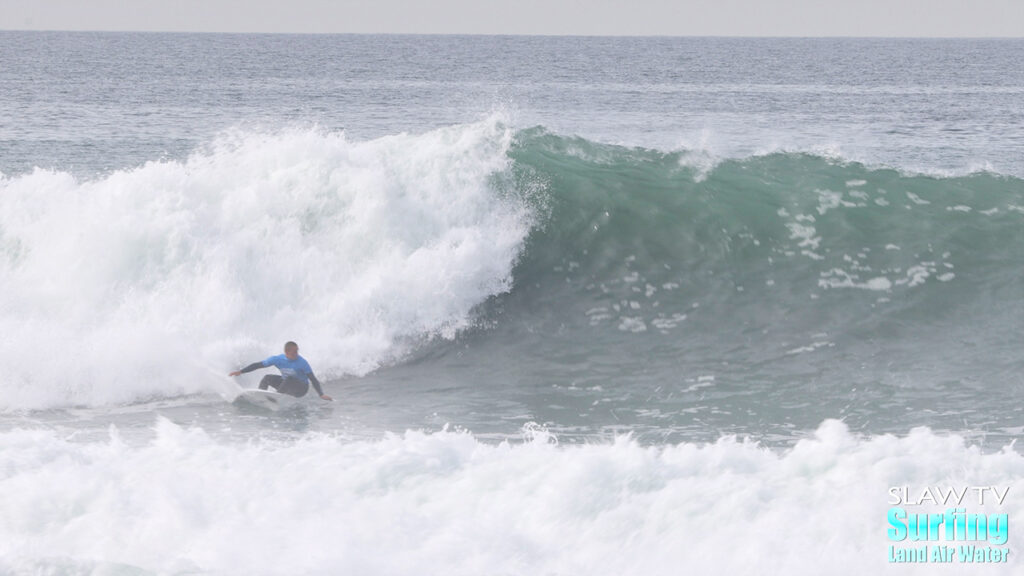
x=291, y=350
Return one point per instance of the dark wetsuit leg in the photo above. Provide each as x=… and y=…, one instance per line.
x=272, y=381
x=293, y=387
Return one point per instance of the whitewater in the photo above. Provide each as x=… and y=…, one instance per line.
x=177, y=265
x=582, y=310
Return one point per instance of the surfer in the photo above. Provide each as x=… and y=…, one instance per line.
x=295, y=373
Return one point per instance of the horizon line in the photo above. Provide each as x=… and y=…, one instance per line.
x=510, y=34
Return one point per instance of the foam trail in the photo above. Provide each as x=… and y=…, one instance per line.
x=448, y=503
x=136, y=284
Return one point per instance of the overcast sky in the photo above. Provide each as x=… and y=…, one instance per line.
x=599, y=17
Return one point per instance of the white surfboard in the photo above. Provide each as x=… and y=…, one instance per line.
x=229, y=390
x=267, y=399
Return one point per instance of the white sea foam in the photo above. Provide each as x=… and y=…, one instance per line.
x=136, y=284
x=447, y=503
x=839, y=278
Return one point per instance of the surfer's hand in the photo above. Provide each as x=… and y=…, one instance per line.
x=235, y=373
x=326, y=397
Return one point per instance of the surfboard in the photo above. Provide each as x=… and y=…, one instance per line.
x=267, y=399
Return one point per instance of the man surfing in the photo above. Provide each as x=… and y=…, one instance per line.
x=295, y=373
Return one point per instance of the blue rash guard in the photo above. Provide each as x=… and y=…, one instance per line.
x=297, y=369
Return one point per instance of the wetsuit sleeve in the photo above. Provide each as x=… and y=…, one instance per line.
x=316, y=384
x=251, y=367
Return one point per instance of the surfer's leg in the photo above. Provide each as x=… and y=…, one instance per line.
x=271, y=380
x=293, y=387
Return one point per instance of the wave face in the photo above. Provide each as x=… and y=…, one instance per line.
x=786, y=242
x=132, y=285
x=186, y=503
x=777, y=289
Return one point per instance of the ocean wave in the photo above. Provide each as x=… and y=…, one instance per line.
x=136, y=284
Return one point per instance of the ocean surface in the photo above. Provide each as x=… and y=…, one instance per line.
x=585, y=305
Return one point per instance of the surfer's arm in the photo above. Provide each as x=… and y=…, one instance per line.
x=249, y=368
x=316, y=386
